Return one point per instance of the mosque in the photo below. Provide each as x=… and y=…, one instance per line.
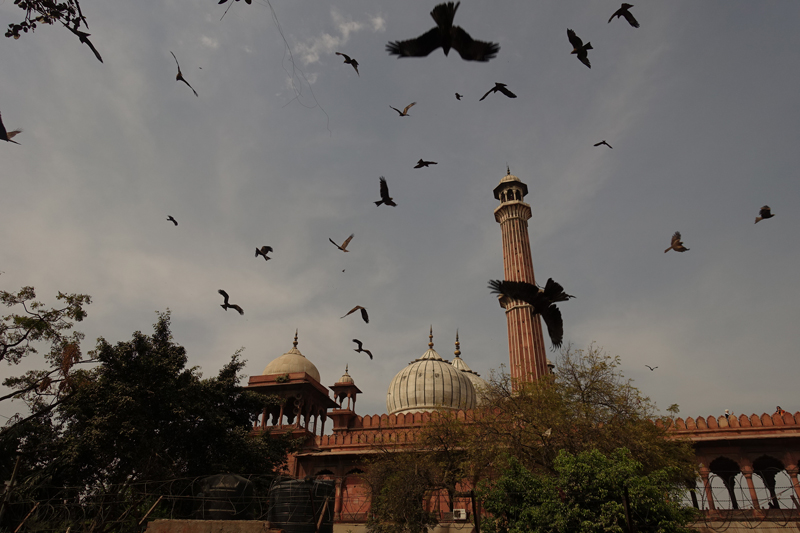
x=752, y=461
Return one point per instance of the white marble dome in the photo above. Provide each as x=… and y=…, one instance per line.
x=429, y=383
x=292, y=361
x=478, y=383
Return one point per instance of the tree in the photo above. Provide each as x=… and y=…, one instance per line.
x=141, y=416
x=586, y=493
x=20, y=334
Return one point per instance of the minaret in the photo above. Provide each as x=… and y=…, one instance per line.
x=525, y=341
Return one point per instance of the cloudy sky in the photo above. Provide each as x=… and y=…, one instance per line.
x=285, y=144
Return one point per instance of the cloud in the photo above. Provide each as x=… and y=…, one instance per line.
x=326, y=44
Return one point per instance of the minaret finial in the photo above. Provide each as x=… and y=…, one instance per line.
x=430, y=338
x=295, y=339
x=508, y=170
x=458, y=346
x=346, y=368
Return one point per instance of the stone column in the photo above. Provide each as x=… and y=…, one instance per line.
x=337, y=507
x=792, y=470
x=747, y=472
x=704, y=471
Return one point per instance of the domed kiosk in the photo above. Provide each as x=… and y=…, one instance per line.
x=429, y=383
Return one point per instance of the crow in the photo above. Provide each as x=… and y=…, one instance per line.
x=226, y=305
x=459, y=96
x=263, y=251
x=7, y=135
x=648, y=366
x=603, y=142
x=765, y=212
x=624, y=12
x=579, y=48
x=676, y=244
x=404, y=112
x=499, y=87
x=422, y=163
x=541, y=300
x=447, y=36
x=360, y=349
x=171, y=219
x=348, y=60
x=343, y=247
x=385, y=198
x=364, y=314
x=180, y=77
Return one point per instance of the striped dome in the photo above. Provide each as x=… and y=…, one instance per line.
x=427, y=384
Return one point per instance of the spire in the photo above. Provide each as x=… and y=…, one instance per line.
x=430, y=338
x=508, y=170
x=458, y=346
x=294, y=344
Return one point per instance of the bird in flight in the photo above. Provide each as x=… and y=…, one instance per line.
x=648, y=366
x=603, y=142
x=349, y=61
x=422, y=163
x=404, y=112
x=624, y=11
x=446, y=36
x=7, y=135
x=172, y=219
x=343, y=247
x=676, y=244
x=499, y=87
x=542, y=300
x=263, y=251
x=579, y=48
x=359, y=349
x=226, y=305
x=385, y=198
x=180, y=77
x=84, y=37
x=763, y=213
x=364, y=314
x=459, y=96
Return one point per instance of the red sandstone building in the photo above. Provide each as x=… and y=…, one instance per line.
x=748, y=464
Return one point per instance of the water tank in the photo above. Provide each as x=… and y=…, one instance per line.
x=296, y=505
x=225, y=497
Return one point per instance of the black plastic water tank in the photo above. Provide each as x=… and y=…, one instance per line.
x=296, y=505
x=225, y=497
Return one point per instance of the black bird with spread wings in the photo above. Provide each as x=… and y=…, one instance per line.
x=764, y=212
x=499, y=87
x=360, y=349
x=624, y=11
x=446, y=36
x=343, y=247
x=364, y=314
x=385, y=198
x=179, y=76
x=579, y=48
x=172, y=219
x=676, y=243
x=349, y=61
x=263, y=251
x=226, y=305
x=648, y=366
x=542, y=300
x=602, y=143
x=422, y=163
x=7, y=135
x=404, y=112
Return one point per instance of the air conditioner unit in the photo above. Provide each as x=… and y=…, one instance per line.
x=459, y=514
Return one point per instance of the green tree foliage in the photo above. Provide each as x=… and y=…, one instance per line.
x=142, y=415
x=585, y=493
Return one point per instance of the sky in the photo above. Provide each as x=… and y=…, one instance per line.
x=285, y=144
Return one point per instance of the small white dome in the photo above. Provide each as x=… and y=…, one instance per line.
x=427, y=384
x=292, y=361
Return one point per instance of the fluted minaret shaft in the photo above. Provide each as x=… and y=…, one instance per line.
x=527, y=356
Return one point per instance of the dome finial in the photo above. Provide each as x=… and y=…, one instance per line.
x=346, y=368
x=430, y=338
x=458, y=346
x=294, y=344
x=508, y=170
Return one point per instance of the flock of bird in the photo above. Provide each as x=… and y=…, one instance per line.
x=445, y=35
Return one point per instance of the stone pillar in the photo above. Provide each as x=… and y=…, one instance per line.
x=747, y=472
x=793, y=471
x=337, y=506
x=704, y=471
